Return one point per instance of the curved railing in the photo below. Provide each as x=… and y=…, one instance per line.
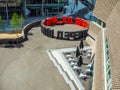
x=23, y=36
x=28, y=27
x=61, y=34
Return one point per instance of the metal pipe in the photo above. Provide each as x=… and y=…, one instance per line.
x=58, y=6
x=42, y=9
x=7, y=10
x=25, y=8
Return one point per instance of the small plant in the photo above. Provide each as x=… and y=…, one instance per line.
x=1, y=19
x=1, y=23
x=16, y=21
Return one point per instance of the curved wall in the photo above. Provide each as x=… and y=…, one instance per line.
x=113, y=34
x=81, y=34
x=97, y=48
x=23, y=37
x=109, y=12
x=27, y=28
x=103, y=8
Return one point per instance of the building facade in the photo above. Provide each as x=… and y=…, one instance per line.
x=104, y=30
x=30, y=7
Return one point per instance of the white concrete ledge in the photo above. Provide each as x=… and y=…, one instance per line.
x=59, y=58
x=68, y=81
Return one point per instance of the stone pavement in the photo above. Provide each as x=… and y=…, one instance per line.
x=29, y=68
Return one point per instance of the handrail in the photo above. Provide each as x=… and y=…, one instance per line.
x=45, y=5
x=61, y=34
x=27, y=28
x=107, y=72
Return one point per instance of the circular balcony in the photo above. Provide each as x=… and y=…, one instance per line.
x=67, y=28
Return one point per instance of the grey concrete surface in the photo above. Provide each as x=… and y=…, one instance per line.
x=29, y=68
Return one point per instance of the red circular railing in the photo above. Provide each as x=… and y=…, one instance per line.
x=61, y=34
x=66, y=20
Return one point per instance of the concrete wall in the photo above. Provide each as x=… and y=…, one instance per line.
x=109, y=12
x=103, y=8
x=113, y=33
x=98, y=80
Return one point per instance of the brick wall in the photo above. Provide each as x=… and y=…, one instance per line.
x=103, y=8
x=109, y=12
x=98, y=81
x=113, y=34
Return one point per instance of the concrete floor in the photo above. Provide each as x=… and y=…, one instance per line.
x=29, y=67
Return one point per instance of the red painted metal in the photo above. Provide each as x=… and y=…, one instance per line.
x=70, y=20
x=66, y=20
